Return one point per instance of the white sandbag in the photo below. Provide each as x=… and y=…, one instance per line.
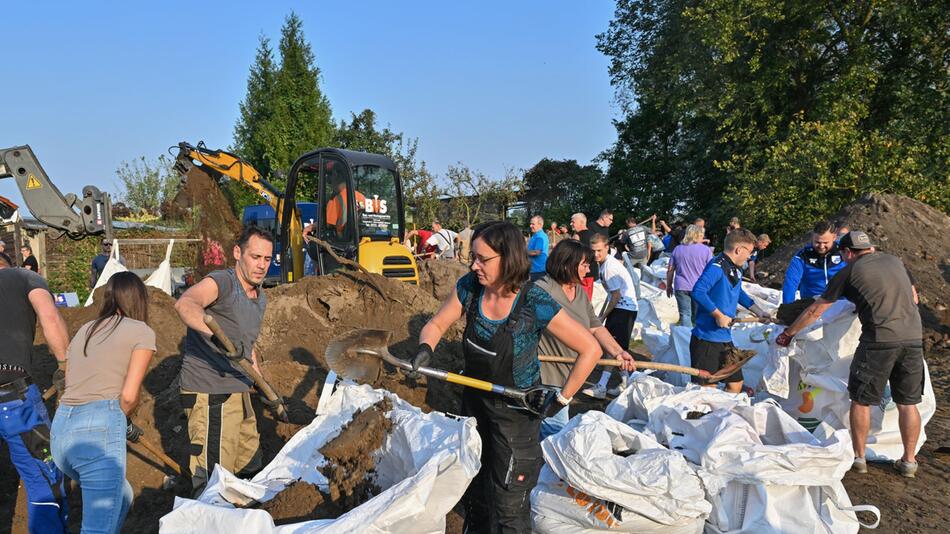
x=162, y=276
x=423, y=468
x=763, y=472
x=112, y=266
x=638, y=399
x=603, y=475
x=810, y=380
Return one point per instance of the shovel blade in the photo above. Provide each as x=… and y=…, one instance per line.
x=345, y=360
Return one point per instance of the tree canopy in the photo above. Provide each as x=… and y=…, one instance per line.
x=778, y=112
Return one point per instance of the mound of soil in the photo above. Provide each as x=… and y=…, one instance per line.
x=349, y=469
x=907, y=228
x=787, y=313
x=438, y=277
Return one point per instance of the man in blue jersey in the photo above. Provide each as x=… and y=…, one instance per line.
x=814, y=265
x=717, y=293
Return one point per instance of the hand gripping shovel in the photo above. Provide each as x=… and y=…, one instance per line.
x=359, y=356
x=277, y=404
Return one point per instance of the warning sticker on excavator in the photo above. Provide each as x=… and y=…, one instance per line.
x=33, y=183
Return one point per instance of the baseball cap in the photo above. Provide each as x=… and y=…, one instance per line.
x=856, y=240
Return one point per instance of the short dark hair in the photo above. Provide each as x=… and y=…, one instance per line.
x=824, y=227
x=632, y=220
x=251, y=230
x=27, y=247
x=606, y=211
x=506, y=240
x=4, y=258
x=739, y=236
x=564, y=259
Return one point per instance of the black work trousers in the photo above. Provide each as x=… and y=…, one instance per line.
x=620, y=325
x=499, y=498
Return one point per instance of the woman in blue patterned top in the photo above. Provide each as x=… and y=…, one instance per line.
x=505, y=315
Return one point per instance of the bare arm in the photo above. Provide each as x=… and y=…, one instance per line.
x=809, y=316
x=191, y=306
x=443, y=319
x=138, y=365
x=752, y=270
x=54, y=327
x=611, y=303
x=579, y=339
x=916, y=297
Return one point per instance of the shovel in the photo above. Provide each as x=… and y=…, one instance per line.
x=359, y=356
x=710, y=378
x=248, y=369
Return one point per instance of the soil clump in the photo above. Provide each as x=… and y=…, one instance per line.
x=349, y=469
x=787, y=313
x=438, y=277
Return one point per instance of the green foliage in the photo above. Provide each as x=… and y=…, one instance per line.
x=74, y=275
x=778, y=112
x=145, y=184
x=557, y=189
x=284, y=114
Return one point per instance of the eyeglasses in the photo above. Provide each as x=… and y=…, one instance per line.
x=108, y=245
x=475, y=258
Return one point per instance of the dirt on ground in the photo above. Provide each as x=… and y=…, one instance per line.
x=438, y=277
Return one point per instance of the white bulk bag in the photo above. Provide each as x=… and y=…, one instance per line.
x=586, y=486
x=112, y=266
x=423, y=467
x=162, y=276
x=810, y=378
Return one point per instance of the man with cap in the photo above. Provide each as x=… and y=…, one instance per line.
x=814, y=265
x=889, y=349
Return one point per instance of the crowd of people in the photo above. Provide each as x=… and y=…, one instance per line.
x=524, y=296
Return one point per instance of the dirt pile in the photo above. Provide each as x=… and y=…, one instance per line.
x=915, y=232
x=349, y=469
x=438, y=277
x=787, y=313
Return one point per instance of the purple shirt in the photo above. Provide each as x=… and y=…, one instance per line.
x=689, y=262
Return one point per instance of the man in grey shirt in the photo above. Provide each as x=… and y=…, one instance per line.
x=215, y=395
x=889, y=349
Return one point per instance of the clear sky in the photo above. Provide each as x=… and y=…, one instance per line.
x=492, y=84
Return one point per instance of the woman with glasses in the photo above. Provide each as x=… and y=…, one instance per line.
x=505, y=316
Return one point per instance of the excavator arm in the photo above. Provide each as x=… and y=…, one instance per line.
x=222, y=165
x=76, y=217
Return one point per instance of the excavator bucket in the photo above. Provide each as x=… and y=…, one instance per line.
x=346, y=360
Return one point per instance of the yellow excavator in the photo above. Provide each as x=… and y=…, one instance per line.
x=360, y=210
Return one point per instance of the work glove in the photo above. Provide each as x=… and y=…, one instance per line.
x=783, y=339
x=59, y=377
x=421, y=359
x=724, y=321
x=544, y=402
x=132, y=431
x=760, y=313
x=273, y=404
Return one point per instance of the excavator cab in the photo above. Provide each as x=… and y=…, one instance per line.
x=360, y=214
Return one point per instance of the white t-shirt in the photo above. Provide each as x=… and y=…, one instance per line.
x=444, y=240
x=615, y=277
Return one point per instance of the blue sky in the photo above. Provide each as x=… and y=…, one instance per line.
x=495, y=85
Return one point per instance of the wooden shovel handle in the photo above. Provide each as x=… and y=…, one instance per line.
x=640, y=365
x=172, y=464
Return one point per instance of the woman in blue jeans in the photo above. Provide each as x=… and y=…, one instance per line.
x=105, y=365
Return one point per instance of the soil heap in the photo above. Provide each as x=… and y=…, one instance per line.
x=438, y=277
x=915, y=232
